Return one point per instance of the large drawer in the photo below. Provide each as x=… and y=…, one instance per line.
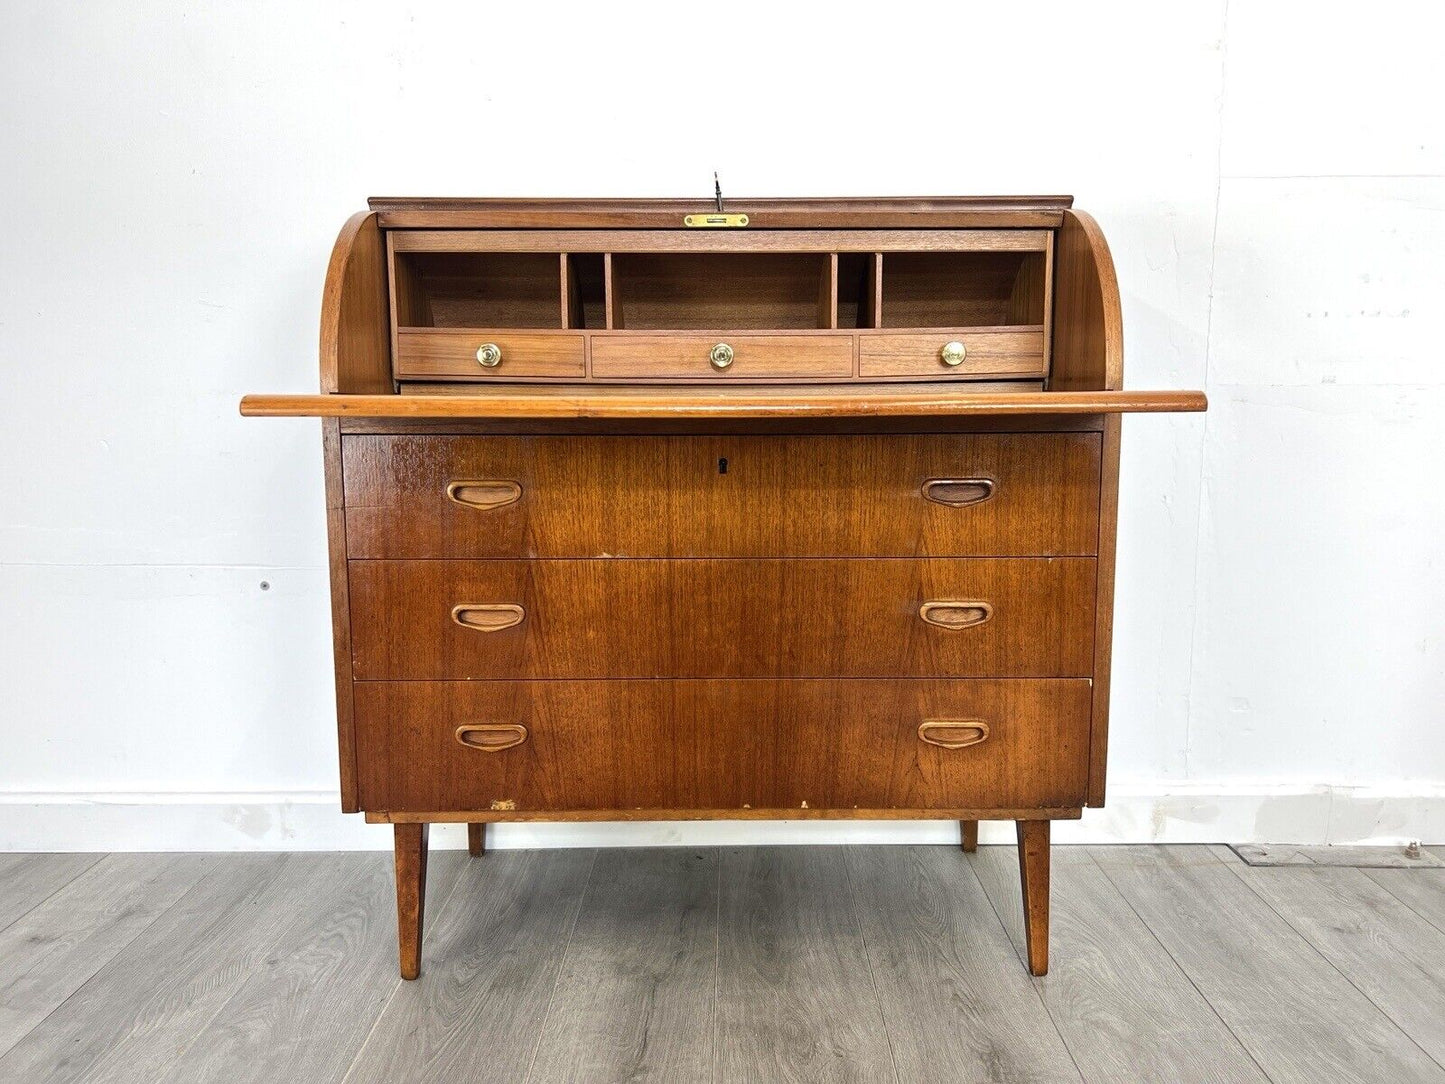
x=721, y=745
x=722, y=496
x=970, y=617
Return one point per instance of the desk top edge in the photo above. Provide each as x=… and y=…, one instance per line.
x=582, y=401
x=396, y=212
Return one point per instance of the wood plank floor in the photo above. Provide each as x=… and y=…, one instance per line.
x=770, y=964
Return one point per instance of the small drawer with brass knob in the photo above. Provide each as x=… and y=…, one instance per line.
x=966, y=353
x=736, y=357
x=427, y=353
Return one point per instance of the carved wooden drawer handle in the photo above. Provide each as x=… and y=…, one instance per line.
x=488, y=617
x=955, y=615
x=953, y=733
x=484, y=494
x=958, y=492
x=491, y=737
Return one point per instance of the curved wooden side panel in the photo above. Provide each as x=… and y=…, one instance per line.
x=1104, y=607
x=1088, y=355
x=1088, y=347
x=355, y=357
x=340, y=611
x=355, y=321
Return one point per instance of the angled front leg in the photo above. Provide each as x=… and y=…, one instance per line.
x=411, y=847
x=1034, y=878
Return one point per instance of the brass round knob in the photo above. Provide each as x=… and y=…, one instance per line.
x=721, y=356
x=489, y=355
x=953, y=353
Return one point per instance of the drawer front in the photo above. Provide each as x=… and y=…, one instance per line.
x=1009, y=617
x=722, y=496
x=430, y=354
x=747, y=357
x=984, y=354
x=721, y=745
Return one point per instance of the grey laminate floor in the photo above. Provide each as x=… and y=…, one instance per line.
x=768, y=964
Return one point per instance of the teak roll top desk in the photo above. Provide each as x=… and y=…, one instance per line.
x=640, y=510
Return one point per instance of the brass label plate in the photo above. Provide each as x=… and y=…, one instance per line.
x=715, y=221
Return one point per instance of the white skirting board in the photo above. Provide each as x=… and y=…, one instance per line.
x=311, y=820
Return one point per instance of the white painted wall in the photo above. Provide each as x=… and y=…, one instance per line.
x=1272, y=179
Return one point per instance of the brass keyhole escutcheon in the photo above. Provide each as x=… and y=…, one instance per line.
x=489, y=355
x=953, y=353
x=721, y=356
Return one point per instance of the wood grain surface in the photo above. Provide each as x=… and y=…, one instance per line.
x=1389, y=952
x=1420, y=890
x=29, y=879
x=740, y=618
x=635, y=995
x=821, y=241
x=738, y=496
x=625, y=745
x=676, y=291
x=956, y=1003
x=493, y=960
x=355, y=312
x=755, y=356
x=411, y=846
x=795, y=997
x=447, y=354
x=137, y=1015
x=304, y=1014
x=1124, y=1008
x=1033, y=857
x=661, y=966
x=631, y=627
x=968, y=836
x=1285, y=1001
x=331, y=452
x=764, y=213
x=56, y=946
x=997, y=352
x=1108, y=520
x=1088, y=322
x=859, y=400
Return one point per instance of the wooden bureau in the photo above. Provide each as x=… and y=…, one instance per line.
x=640, y=510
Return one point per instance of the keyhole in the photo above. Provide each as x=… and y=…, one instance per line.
x=722, y=465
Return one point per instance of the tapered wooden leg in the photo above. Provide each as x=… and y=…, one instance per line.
x=476, y=839
x=1034, y=876
x=970, y=835
x=411, y=846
